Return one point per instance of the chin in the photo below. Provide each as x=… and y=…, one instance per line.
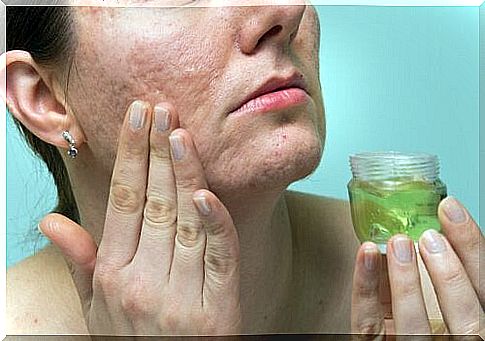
x=269, y=164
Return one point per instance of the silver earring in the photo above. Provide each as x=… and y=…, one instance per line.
x=72, y=152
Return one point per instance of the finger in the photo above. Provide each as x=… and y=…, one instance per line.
x=221, y=258
x=385, y=290
x=77, y=245
x=190, y=240
x=456, y=296
x=74, y=241
x=385, y=297
x=127, y=190
x=408, y=307
x=367, y=315
x=155, y=248
x=467, y=240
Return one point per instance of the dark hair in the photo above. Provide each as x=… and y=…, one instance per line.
x=46, y=33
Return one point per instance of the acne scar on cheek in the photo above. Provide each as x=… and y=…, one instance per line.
x=170, y=67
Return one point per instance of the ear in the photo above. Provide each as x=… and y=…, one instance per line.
x=33, y=100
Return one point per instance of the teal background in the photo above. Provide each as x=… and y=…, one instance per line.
x=482, y=109
x=394, y=78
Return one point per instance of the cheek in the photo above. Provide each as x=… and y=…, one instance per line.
x=181, y=68
x=307, y=43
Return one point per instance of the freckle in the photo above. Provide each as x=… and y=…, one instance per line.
x=35, y=320
x=285, y=136
x=320, y=302
x=265, y=317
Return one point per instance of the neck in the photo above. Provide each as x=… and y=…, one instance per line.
x=265, y=240
x=266, y=260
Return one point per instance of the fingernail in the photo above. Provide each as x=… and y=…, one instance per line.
x=454, y=211
x=433, y=242
x=162, y=119
x=38, y=228
x=370, y=258
x=137, y=115
x=402, y=249
x=177, y=145
x=202, y=205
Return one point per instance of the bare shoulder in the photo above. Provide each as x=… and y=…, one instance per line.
x=325, y=218
x=41, y=296
x=324, y=246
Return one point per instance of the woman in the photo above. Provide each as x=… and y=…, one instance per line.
x=187, y=227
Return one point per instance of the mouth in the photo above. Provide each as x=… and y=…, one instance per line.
x=277, y=93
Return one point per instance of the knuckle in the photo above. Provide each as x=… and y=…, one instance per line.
x=159, y=152
x=467, y=238
x=105, y=280
x=135, y=298
x=188, y=233
x=368, y=290
x=135, y=149
x=407, y=290
x=219, y=263
x=169, y=322
x=473, y=240
x=188, y=182
x=217, y=228
x=173, y=319
x=124, y=198
x=370, y=329
x=453, y=277
x=210, y=325
x=159, y=212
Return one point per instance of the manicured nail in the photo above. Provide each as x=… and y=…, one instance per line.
x=433, y=241
x=202, y=205
x=178, y=148
x=137, y=115
x=402, y=247
x=454, y=211
x=162, y=119
x=370, y=258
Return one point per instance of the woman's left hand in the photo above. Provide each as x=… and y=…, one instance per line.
x=452, y=261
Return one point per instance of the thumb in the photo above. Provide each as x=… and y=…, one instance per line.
x=77, y=245
x=73, y=240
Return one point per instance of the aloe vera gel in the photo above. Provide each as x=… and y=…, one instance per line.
x=393, y=193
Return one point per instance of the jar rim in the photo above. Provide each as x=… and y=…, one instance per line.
x=392, y=164
x=393, y=155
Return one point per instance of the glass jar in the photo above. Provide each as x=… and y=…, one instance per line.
x=393, y=192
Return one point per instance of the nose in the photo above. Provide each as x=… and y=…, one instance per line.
x=275, y=25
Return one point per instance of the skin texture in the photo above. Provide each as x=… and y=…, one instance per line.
x=203, y=70
x=176, y=58
x=451, y=260
x=123, y=54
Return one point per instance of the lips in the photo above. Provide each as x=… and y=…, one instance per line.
x=276, y=93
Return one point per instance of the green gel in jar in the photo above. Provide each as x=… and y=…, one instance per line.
x=394, y=193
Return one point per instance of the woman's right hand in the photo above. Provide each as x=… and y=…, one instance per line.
x=168, y=261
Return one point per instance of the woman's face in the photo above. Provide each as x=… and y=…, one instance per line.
x=206, y=61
